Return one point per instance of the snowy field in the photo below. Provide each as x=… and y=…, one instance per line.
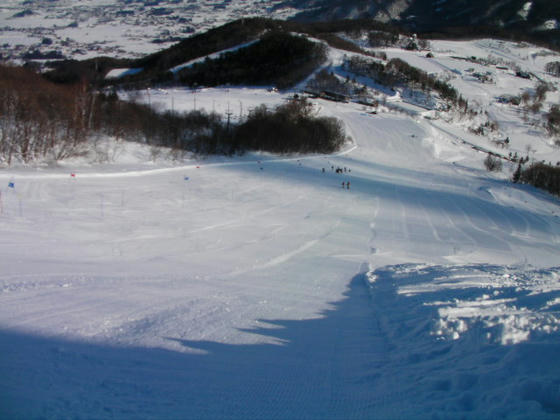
x=259, y=287
x=122, y=28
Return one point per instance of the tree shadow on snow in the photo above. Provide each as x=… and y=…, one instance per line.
x=319, y=370
x=372, y=355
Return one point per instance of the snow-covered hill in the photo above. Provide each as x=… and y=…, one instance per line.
x=412, y=283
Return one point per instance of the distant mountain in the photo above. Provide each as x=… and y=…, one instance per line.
x=515, y=14
x=317, y=10
x=537, y=14
x=537, y=17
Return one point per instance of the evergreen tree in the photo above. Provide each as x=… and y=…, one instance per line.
x=517, y=174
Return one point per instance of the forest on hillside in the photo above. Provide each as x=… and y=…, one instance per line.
x=155, y=67
x=41, y=120
x=277, y=59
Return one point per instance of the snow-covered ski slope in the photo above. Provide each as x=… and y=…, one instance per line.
x=259, y=287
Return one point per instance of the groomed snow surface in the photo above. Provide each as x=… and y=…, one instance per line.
x=260, y=287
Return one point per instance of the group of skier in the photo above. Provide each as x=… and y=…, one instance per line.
x=340, y=170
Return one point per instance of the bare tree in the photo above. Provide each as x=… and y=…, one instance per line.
x=492, y=163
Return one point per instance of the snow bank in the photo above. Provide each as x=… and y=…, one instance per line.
x=473, y=340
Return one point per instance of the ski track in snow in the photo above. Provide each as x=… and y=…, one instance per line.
x=424, y=290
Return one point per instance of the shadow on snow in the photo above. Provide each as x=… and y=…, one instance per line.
x=370, y=356
x=317, y=372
